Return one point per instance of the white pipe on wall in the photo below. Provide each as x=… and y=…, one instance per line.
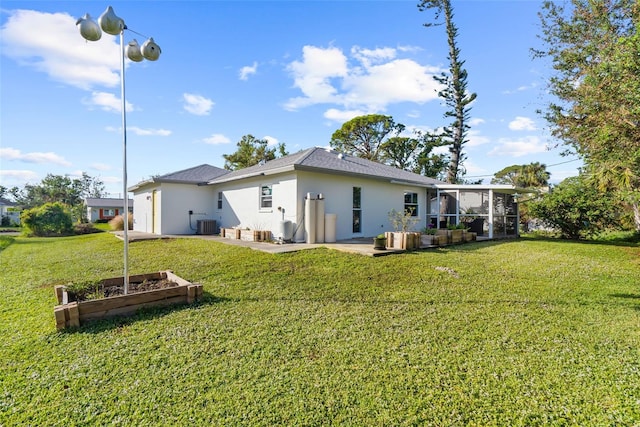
x=320, y=219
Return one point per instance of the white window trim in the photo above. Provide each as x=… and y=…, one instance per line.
x=260, y=198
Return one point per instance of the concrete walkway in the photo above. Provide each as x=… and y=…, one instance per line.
x=362, y=246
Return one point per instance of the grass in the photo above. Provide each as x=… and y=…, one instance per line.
x=531, y=332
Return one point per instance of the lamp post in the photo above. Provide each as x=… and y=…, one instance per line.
x=92, y=31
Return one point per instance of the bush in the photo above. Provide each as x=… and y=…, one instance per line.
x=576, y=209
x=117, y=223
x=85, y=228
x=50, y=219
x=5, y=222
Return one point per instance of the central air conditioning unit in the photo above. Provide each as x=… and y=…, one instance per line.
x=206, y=226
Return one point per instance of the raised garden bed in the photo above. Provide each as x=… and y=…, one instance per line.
x=246, y=235
x=145, y=290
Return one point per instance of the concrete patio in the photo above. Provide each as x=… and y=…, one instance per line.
x=362, y=246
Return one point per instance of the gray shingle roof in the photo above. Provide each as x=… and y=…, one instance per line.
x=106, y=202
x=194, y=175
x=327, y=161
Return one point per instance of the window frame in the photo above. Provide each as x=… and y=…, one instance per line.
x=263, y=198
x=356, y=226
x=412, y=204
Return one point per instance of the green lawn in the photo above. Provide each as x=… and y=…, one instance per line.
x=517, y=333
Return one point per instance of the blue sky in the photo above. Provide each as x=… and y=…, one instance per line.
x=287, y=71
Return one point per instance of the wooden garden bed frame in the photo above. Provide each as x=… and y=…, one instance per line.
x=74, y=313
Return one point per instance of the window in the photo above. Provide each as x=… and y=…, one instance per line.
x=219, y=200
x=266, y=198
x=109, y=212
x=411, y=203
x=357, y=209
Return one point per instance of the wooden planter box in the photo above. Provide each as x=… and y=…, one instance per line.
x=445, y=236
x=402, y=240
x=470, y=236
x=230, y=233
x=428, y=240
x=74, y=313
x=456, y=236
x=246, y=235
x=255, y=235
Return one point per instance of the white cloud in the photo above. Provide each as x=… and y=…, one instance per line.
x=17, y=177
x=271, y=141
x=51, y=43
x=476, y=121
x=107, y=102
x=342, y=116
x=401, y=80
x=197, y=104
x=369, y=80
x=474, y=169
x=522, y=123
x=246, y=71
x=148, y=132
x=518, y=147
x=373, y=56
x=520, y=89
x=102, y=167
x=111, y=179
x=216, y=138
x=34, y=157
x=312, y=75
x=474, y=139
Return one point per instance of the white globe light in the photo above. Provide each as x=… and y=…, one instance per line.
x=150, y=50
x=89, y=30
x=110, y=23
x=133, y=51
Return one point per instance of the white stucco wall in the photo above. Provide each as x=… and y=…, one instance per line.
x=143, y=208
x=241, y=203
x=174, y=201
x=182, y=199
x=378, y=198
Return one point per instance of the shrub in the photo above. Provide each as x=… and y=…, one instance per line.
x=85, y=228
x=50, y=219
x=402, y=221
x=117, y=223
x=576, y=209
x=6, y=221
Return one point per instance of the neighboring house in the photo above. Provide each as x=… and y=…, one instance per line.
x=172, y=203
x=10, y=210
x=105, y=208
x=358, y=195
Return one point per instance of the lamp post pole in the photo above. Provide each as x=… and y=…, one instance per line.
x=91, y=31
x=125, y=215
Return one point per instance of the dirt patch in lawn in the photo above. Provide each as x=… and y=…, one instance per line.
x=101, y=291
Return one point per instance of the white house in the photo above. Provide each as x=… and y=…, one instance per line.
x=105, y=208
x=172, y=203
x=10, y=211
x=316, y=189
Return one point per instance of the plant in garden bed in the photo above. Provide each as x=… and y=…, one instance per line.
x=380, y=241
x=402, y=221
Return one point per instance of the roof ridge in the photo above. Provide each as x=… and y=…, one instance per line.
x=308, y=151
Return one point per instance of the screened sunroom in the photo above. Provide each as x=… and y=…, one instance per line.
x=489, y=210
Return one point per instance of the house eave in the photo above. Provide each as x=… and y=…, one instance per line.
x=509, y=189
